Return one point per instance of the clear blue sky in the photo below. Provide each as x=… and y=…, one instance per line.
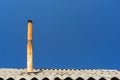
x=66, y=33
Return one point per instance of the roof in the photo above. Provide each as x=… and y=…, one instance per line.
x=51, y=74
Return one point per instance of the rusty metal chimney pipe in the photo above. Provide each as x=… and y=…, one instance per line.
x=29, y=48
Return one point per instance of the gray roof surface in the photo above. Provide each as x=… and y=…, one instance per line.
x=61, y=73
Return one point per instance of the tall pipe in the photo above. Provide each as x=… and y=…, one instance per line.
x=29, y=48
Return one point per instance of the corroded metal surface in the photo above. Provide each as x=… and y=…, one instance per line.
x=29, y=47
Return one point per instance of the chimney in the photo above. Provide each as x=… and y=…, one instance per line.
x=29, y=47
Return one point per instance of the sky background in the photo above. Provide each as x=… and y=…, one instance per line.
x=80, y=34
